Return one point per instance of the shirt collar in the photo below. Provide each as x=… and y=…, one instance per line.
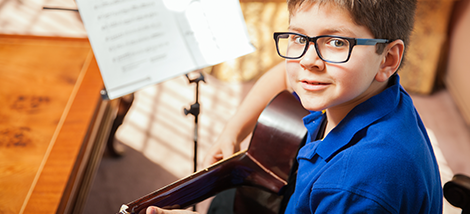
x=313, y=123
x=361, y=116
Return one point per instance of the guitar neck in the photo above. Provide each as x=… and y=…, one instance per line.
x=240, y=169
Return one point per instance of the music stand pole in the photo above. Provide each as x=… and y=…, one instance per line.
x=194, y=110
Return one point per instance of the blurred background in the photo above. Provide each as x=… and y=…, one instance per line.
x=157, y=137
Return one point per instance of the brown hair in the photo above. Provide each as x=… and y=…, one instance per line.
x=386, y=19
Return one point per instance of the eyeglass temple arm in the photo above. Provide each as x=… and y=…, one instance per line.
x=371, y=41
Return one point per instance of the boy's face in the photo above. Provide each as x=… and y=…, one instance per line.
x=322, y=85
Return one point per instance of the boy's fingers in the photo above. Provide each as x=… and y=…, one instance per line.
x=227, y=151
x=156, y=210
x=151, y=210
x=211, y=158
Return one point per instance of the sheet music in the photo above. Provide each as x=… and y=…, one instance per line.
x=143, y=42
x=214, y=30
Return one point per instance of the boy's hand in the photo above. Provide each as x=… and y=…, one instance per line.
x=244, y=120
x=156, y=210
x=224, y=148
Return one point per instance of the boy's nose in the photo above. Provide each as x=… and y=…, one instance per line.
x=311, y=59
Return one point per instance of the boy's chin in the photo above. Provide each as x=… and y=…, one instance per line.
x=312, y=106
x=312, y=102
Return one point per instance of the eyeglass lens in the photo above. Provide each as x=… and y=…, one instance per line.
x=334, y=49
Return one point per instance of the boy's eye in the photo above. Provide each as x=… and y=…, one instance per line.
x=300, y=40
x=337, y=42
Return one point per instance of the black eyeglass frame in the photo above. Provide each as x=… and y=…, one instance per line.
x=352, y=42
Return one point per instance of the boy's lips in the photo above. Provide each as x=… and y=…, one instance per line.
x=312, y=85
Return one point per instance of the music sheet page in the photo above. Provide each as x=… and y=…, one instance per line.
x=214, y=30
x=143, y=42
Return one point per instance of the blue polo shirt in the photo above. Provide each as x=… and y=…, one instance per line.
x=378, y=159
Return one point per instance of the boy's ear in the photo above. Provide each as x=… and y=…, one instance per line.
x=392, y=57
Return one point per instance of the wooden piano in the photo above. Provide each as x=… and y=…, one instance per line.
x=54, y=125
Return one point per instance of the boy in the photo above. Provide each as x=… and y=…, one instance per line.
x=367, y=150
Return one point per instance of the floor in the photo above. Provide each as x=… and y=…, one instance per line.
x=158, y=139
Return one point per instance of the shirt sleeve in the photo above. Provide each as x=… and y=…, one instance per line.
x=343, y=201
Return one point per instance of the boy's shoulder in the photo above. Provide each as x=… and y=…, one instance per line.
x=379, y=168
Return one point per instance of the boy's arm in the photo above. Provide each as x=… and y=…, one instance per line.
x=244, y=120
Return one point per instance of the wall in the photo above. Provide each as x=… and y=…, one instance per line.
x=458, y=68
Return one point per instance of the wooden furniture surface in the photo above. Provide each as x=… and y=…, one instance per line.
x=52, y=121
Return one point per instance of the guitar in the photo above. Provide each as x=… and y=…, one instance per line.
x=265, y=164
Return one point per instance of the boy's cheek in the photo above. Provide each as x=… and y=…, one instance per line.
x=290, y=78
x=292, y=72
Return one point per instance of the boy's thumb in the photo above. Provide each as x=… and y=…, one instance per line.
x=155, y=210
x=151, y=210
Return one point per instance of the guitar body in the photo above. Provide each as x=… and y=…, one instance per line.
x=275, y=142
x=265, y=165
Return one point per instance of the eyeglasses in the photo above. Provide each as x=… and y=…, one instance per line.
x=332, y=49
